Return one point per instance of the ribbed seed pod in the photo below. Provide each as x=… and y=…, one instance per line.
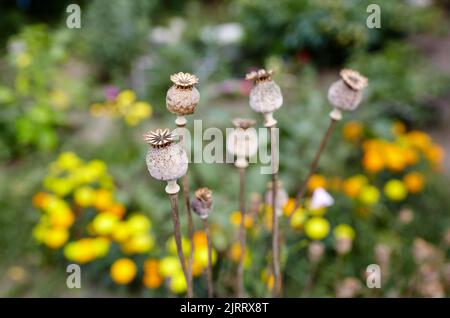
x=166, y=160
x=346, y=93
x=202, y=203
x=265, y=95
x=182, y=98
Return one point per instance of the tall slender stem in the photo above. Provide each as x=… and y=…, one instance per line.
x=177, y=233
x=242, y=234
x=313, y=167
x=209, y=269
x=187, y=202
x=276, y=291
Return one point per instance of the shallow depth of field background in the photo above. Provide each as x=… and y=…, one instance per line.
x=74, y=104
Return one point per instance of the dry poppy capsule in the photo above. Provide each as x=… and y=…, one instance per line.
x=265, y=95
x=166, y=160
x=182, y=98
x=242, y=142
x=346, y=93
x=202, y=203
x=281, y=197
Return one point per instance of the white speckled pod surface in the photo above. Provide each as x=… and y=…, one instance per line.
x=342, y=97
x=167, y=163
x=182, y=101
x=266, y=97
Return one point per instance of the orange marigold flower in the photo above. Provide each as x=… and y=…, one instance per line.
x=152, y=281
x=373, y=161
x=395, y=160
x=289, y=207
x=414, y=182
x=40, y=199
x=435, y=154
x=353, y=185
x=419, y=139
x=200, y=239
x=317, y=181
x=352, y=131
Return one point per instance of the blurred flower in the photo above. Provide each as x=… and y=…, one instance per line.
x=353, y=130
x=352, y=186
x=111, y=92
x=414, y=181
x=316, y=250
x=123, y=271
x=152, y=279
x=373, y=161
x=104, y=223
x=17, y=274
x=321, y=199
x=169, y=265
x=317, y=181
x=84, y=196
x=178, y=283
x=317, y=228
x=56, y=237
x=348, y=288
x=405, y=216
x=235, y=254
x=59, y=99
x=398, y=128
x=235, y=219
x=298, y=218
x=289, y=207
x=395, y=190
x=369, y=195
x=223, y=34
x=23, y=60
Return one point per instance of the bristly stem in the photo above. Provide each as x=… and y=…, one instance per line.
x=209, y=269
x=276, y=291
x=242, y=234
x=177, y=233
x=313, y=167
x=187, y=202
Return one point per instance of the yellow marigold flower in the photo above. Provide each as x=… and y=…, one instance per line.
x=60, y=186
x=104, y=223
x=100, y=246
x=352, y=130
x=123, y=271
x=369, y=195
x=121, y=232
x=140, y=243
x=414, y=182
x=139, y=223
x=289, y=207
x=235, y=219
x=126, y=97
x=81, y=251
x=398, y=128
x=197, y=268
x=84, y=196
x=169, y=265
x=23, y=60
x=419, y=139
x=298, y=219
x=344, y=231
x=172, y=247
x=317, y=181
x=373, y=161
x=372, y=144
x=395, y=190
x=103, y=199
x=178, y=283
x=235, y=254
x=68, y=160
x=40, y=232
x=317, y=228
x=56, y=237
x=201, y=256
x=353, y=185
x=62, y=218
x=394, y=157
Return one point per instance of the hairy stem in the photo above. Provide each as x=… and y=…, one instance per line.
x=242, y=234
x=276, y=291
x=209, y=269
x=187, y=202
x=177, y=233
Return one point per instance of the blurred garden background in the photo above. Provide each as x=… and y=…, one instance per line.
x=74, y=104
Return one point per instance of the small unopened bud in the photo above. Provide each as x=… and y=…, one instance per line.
x=316, y=250
x=202, y=203
x=343, y=245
